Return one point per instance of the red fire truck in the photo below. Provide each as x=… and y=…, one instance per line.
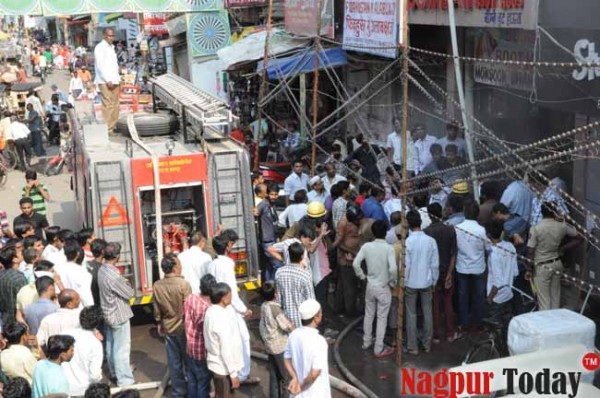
x=150, y=193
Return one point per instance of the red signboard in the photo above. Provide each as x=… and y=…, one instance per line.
x=154, y=23
x=244, y=3
x=172, y=169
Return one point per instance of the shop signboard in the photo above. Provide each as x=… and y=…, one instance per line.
x=518, y=14
x=154, y=23
x=244, y=3
x=573, y=89
x=504, y=45
x=301, y=17
x=371, y=26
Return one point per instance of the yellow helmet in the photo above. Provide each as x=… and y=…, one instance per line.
x=316, y=209
x=460, y=187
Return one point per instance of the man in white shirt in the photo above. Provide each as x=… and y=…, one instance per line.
x=85, y=367
x=295, y=211
x=108, y=78
x=473, y=244
x=20, y=134
x=422, y=272
x=503, y=270
x=306, y=353
x=65, y=318
x=422, y=143
x=381, y=273
x=194, y=261
x=394, y=144
x=73, y=275
x=317, y=190
x=55, y=244
x=223, y=341
x=223, y=269
x=295, y=181
x=331, y=177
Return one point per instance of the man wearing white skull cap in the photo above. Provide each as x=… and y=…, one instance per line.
x=306, y=355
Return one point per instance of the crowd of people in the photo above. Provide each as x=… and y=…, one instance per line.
x=462, y=258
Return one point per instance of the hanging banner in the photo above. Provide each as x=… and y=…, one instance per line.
x=20, y=7
x=301, y=17
x=65, y=7
x=107, y=6
x=244, y=3
x=504, y=45
x=76, y=7
x=371, y=26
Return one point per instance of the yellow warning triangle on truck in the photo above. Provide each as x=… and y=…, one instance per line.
x=114, y=214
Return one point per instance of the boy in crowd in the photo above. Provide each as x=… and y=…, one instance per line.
x=274, y=329
x=502, y=271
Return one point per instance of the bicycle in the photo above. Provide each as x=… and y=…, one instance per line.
x=495, y=346
x=9, y=156
x=3, y=173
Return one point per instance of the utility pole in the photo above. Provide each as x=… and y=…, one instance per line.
x=315, y=99
x=263, y=86
x=461, y=98
x=404, y=187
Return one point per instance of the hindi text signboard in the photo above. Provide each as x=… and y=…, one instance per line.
x=371, y=26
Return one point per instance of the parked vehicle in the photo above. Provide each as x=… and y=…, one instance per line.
x=165, y=176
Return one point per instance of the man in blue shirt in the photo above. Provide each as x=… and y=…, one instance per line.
x=44, y=305
x=518, y=197
x=372, y=207
x=48, y=376
x=34, y=121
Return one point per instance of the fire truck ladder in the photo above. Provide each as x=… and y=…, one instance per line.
x=113, y=212
x=195, y=107
x=227, y=171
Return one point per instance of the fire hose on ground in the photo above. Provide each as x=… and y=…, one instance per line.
x=338, y=360
x=336, y=383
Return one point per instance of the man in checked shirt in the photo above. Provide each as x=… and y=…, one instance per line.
x=194, y=310
x=294, y=284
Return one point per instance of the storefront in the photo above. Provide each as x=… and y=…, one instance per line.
x=572, y=35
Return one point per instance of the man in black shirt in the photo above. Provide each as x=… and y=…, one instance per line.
x=98, y=246
x=39, y=222
x=445, y=237
x=267, y=222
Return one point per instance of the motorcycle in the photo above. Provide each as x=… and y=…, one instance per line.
x=41, y=73
x=55, y=165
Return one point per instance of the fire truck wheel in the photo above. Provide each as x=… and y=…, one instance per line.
x=149, y=124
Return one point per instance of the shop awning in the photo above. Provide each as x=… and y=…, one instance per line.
x=303, y=63
x=252, y=47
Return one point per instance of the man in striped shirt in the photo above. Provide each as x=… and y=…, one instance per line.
x=115, y=293
x=37, y=191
